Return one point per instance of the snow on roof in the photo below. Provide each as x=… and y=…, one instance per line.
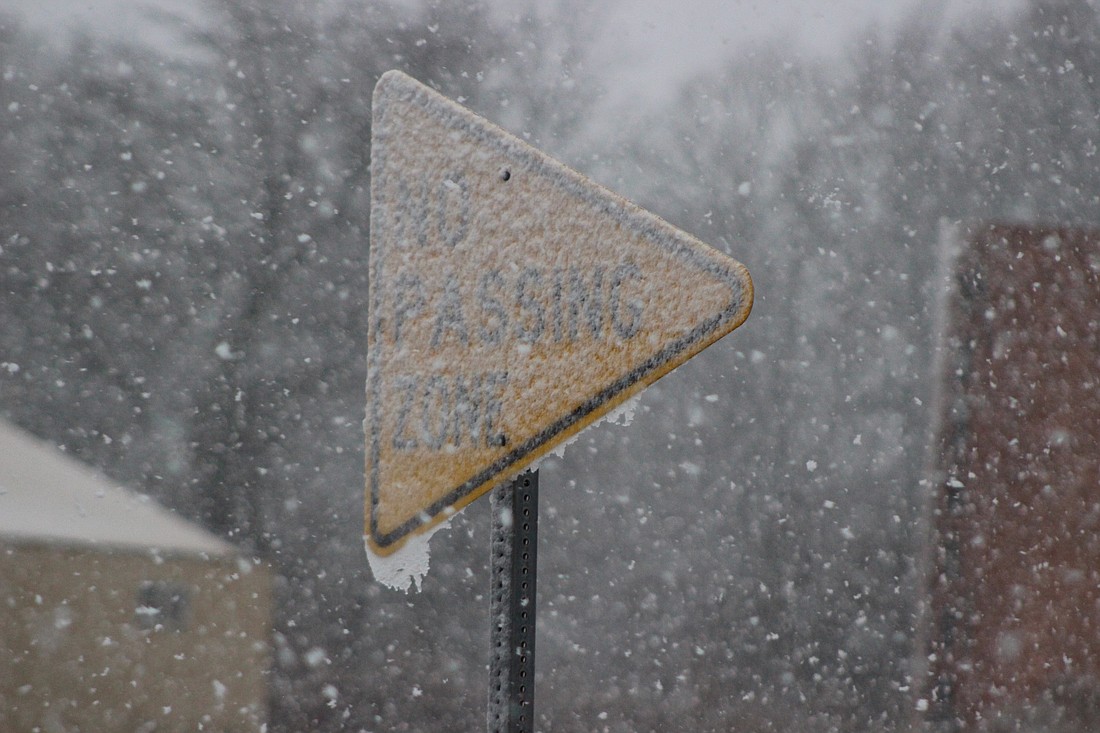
x=48, y=496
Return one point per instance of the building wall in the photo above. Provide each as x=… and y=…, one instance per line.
x=99, y=640
x=1015, y=581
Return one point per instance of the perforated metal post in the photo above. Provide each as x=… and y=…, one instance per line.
x=514, y=545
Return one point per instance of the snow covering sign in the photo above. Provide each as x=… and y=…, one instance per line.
x=513, y=302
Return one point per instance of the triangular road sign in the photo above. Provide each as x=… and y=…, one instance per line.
x=513, y=302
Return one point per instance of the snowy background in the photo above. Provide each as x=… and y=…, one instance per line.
x=183, y=283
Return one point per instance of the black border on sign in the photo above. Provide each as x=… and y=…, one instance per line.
x=403, y=88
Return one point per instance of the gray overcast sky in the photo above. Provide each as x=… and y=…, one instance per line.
x=648, y=45
x=668, y=40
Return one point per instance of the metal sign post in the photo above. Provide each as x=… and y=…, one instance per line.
x=514, y=546
x=485, y=252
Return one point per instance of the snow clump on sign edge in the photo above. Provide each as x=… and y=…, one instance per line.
x=406, y=568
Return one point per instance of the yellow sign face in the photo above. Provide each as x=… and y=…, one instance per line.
x=513, y=303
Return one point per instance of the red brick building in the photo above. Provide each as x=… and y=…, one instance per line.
x=1014, y=623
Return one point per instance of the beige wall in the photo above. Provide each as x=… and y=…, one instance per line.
x=79, y=651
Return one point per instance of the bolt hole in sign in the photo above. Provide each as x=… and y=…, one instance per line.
x=513, y=302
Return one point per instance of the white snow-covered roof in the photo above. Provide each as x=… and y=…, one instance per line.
x=48, y=496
